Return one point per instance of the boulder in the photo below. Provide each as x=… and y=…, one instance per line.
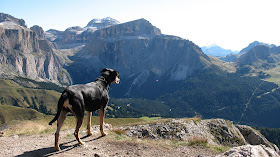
x=253, y=137
x=250, y=150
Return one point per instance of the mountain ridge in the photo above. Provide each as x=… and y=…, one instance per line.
x=217, y=51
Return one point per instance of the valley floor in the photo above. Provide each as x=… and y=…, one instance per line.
x=42, y=145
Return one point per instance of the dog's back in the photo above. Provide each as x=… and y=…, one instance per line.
x=92, y=96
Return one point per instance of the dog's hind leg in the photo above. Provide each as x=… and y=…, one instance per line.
x=89, y=123
x=102, y=121
x=76, y=133
x=60, y=121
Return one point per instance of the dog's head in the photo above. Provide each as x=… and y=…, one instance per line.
x=111, y=76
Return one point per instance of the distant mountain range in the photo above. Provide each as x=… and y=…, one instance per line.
x=217, y=51
x=166, y=75
x=234, y=57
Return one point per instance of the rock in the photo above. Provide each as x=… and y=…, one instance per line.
x=250, y=150
x=253, y=137
x=225, y=132
x=197, y=131
x=213, y=131
x=1, y=134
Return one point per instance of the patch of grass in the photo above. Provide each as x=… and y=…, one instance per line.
x=11, y=113
x=41, y=100
x=196, y=119
x=40, y=125
x=274, y=75
x=219, y=149
x=150, y=118
x=119, y=131
x=120, y=137
x=198, y=141
x=177, y=143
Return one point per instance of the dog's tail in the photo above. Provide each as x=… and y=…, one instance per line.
x=59, y=106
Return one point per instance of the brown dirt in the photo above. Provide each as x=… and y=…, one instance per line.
x=42, y=145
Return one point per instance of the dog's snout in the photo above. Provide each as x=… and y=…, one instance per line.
x=118, y=80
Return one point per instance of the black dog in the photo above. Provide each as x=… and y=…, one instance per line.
x=90, y=97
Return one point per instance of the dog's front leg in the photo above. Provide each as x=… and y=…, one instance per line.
x=102, y=121
x=89, y=123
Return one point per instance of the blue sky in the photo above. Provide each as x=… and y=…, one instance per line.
x=231, y=24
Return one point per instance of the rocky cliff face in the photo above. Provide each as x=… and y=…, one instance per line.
x=138, y=51
x=24, y=53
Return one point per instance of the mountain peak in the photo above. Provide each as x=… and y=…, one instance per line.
x=137, y=28
x=9, y=18
x=102, y=23
x=216, y=50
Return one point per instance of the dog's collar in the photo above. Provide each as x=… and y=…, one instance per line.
x=102, y=79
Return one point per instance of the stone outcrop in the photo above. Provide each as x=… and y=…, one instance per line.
x=210, y=131
x=250, y=150
x=214, y=131
x=254, y=137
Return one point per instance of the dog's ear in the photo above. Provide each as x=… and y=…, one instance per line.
x=105, y=69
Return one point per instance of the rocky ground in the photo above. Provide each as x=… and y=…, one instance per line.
x=191, y=137
x=42, y=145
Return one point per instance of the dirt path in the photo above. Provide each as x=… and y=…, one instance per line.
x=42, y=145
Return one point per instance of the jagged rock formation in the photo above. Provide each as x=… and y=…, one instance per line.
x=138, y=51
x=250, y=150
x=255, y=138
x=195, y=130
x=216, y=131
x=24, y=53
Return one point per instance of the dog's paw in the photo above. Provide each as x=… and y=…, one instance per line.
x=90, y=133
x=82, y=143
x=57, y=148
x=103, y=134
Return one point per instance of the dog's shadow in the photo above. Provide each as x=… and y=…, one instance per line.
x=49, y=151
